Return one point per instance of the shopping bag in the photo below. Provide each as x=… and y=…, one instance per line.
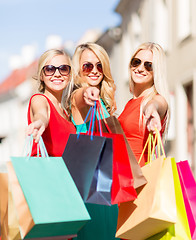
x=154, y=209
x=180, y=230
x=55, y=205
x=9, y=222
x=122, y=178
x=13, y=224
x=188, y=185
x=4, y=204
x=122, y=182
x=115, y=127
x=20, y=208
x=89, y=161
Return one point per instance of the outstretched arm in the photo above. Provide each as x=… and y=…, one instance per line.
x=39, y=112
x=154, y=111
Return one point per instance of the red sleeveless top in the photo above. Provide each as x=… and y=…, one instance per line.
x=57, y=132
x=135, y=133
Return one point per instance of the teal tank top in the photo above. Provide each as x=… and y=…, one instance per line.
x=83, y=128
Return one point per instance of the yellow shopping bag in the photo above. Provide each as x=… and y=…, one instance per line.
x=180, y=230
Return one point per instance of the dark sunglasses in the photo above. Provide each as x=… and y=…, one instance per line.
x=49, y=70
x=135, y=62
x=88, y=67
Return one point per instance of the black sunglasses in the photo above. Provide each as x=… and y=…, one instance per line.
x=88, y=67
x=135, y=62
x=49, y=70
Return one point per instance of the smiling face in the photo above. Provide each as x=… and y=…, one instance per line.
x=141, y=77
x=56, y=82
x=94, y=76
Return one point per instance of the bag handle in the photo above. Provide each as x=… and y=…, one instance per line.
x=92, y=113
x=160, y=147
x=40, y=147
x=153, y=143
x=101, y=110
x=89, y=111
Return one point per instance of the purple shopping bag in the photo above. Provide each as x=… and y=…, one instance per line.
x=188, y=186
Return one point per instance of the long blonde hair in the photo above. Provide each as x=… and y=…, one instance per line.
x=108, y=88
x=160, y=85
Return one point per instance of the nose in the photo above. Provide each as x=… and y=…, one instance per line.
x=141, y=67
x=94, y=70
x=57, y=73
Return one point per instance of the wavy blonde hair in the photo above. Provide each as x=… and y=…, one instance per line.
x=108, y=88
x=45, y=57
x=160, y=85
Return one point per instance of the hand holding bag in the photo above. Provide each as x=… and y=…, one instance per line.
x=55, y=207
x=89, y=161
x=154, y=209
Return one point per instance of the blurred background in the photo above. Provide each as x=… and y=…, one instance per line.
x=28, y=28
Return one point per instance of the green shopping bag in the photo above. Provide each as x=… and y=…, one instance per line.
x=180, y=230
x=54, y=202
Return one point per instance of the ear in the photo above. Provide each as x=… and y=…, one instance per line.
x=41, y=77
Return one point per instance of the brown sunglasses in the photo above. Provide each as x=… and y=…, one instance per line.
x=135, y=62
x=88, y=67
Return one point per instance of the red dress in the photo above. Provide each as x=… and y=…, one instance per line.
x=135, y=132
x=57, y=132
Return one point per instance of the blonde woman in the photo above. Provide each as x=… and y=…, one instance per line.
x=149, y=108
x=93, y=80
x=46, y=116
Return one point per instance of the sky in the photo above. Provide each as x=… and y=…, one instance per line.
x=26, y=24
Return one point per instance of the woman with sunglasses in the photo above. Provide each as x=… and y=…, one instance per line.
x=93, y=81
x=46, y=115
x=148, y=109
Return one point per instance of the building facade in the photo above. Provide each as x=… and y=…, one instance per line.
x=172, y=24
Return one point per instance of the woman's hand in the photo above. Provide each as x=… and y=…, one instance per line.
x=90, y=95
x=36, y=129
x=155, y=111
x=152, y=118
x=39, y=117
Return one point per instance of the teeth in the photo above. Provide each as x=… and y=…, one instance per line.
x=57, y=81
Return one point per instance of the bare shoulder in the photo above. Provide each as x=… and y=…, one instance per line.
x=161, y=100
x=39, y=101
x=162, y=105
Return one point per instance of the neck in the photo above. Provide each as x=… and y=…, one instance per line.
x=54, y=97
x=139, y=92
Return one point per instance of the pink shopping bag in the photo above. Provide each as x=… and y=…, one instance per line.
x=188, y=185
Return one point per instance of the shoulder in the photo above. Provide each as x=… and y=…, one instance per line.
x=161, y=101
x=38, y=99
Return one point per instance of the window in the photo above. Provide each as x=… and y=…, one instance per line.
x=183, y=19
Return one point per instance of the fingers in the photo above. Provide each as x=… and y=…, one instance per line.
x=154, y=124
x=35, y=129
x=91, y=95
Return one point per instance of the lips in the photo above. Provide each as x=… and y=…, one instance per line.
x=140, y=74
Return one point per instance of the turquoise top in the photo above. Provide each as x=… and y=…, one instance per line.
x=83, y=128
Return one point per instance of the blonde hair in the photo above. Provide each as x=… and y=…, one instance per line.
x=45, y=57
x=108, y=88
x=160, y=85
